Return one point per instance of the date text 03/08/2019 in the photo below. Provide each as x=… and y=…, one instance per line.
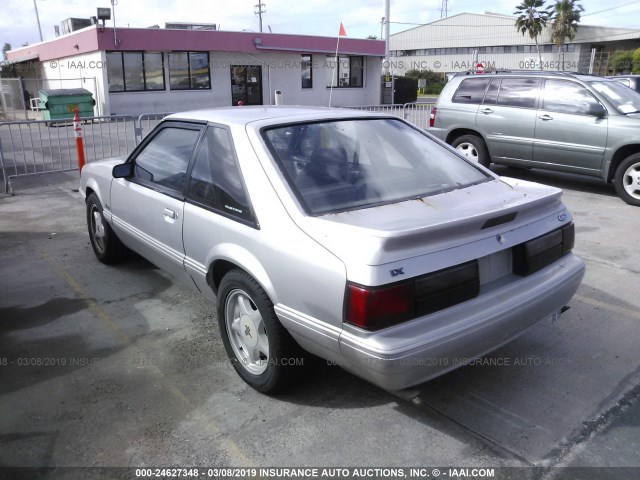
x=313, y=472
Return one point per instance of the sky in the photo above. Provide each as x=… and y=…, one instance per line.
x=314, y=17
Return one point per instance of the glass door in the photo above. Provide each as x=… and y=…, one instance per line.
x=246, y=85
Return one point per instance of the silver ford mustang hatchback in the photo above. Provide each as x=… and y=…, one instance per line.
x=353, y=236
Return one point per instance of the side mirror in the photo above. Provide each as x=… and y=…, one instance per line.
x=124, y=170
x=597, y=110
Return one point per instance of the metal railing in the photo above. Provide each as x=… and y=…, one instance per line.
x=147, y=122
x=47, y=146
x=416, y=113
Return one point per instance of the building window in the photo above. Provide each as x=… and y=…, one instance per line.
x=135, y=71
x=189, y=71
x=306, y=72
x=348, y=72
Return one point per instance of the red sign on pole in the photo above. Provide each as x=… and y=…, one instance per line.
x=479, y=68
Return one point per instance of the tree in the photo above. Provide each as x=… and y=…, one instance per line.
x=532, y=19
x=635, y=59
x=564, y=16
x=621, y=61
x=8, y=70
x=435, y=81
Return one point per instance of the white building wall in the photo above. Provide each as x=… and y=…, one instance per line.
x=88, y=71
x=500, y=61
x=474, y=31
x=280, y=71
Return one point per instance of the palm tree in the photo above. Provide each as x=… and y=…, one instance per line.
x=565, y=15
x=532, y=19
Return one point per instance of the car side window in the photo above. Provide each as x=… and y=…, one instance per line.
x=491, y=97
x=567, y=97
x=519, y=92
x=471, y=90
x=164, y=160
x=216, y=180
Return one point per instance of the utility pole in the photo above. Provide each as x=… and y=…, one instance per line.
x=35, y=5
x=260, y=8
x=444, y=9
x=387, y=19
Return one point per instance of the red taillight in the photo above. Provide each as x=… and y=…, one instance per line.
x=373, y=308
x=432, y=116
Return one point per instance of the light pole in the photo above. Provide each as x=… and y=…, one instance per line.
x=35, y=5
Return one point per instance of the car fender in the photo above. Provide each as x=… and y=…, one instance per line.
x=247, y=261
x=97, y=176
x=93, y=184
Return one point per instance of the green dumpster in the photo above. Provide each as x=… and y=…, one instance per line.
x=60, y=103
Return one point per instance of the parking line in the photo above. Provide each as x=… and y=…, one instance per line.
x=232, y=448
x=91, y=304
x=608, y=306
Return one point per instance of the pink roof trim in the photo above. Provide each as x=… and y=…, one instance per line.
x=93, y=39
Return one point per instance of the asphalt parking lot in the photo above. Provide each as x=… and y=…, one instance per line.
x=121, y=366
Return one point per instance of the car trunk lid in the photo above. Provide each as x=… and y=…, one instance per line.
x=390, y=233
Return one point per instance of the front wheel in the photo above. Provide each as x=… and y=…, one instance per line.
x=258, y=346
x=627, y=180
x=106, y=245
x=474, y=148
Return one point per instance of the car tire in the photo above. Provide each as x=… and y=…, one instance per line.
x=627, y=180
x=106, y=245
x=473, y=148
x=258, y=346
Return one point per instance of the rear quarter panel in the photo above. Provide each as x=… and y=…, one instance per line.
x=305, y=282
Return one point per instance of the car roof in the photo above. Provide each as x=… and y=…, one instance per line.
x=248, y=114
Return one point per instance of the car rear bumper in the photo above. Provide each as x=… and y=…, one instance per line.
x=414, y=352
x=439, y=133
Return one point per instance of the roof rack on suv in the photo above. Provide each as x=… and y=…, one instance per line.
x=528, y=72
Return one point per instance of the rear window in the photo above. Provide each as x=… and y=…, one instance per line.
x=471, y=90
x=335, y=166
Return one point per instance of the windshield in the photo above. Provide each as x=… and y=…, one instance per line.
x=619, y=95
x=342, y=165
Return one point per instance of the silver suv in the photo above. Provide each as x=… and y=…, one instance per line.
x=553, y=120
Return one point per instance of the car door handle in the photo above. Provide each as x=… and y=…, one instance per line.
x=487, y=111
x=170, y=214
x=546, y=117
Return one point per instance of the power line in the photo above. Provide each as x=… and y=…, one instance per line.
x=608, y=9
